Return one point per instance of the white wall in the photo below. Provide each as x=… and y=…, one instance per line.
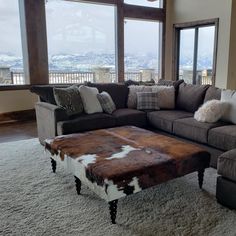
x=16, y=100
x=181, y=11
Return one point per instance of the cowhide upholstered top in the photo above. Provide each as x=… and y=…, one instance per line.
x=120, y=161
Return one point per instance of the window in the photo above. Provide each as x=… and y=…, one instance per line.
x=196, y=52
x=145, y=3
x=11, y=63
x=142, y=54
x=81, y=42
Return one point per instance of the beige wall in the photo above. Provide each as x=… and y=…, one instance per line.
x=16, y=100
x=181, y=11
x=232, y=52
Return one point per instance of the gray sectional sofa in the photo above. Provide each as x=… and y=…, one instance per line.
x=217, y=138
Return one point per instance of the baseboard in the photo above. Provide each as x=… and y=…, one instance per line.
x=25, y=115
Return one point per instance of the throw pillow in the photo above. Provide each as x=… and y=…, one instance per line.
x=90, y=100
x=147, y=101
x=211, y=111
x=69, y=99
x=166, y=96
x=106, y=102
x=132, y=97
x=230, y=97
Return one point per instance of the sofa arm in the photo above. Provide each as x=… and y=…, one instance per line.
x=47, y=116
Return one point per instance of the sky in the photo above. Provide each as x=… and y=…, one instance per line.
x=78, y=28
x=10, y=39
x=75, y=28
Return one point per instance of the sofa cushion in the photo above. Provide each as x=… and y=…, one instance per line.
x=164, y=119
x=229, y=96
x=165, y=96
x=132, y=97
x=227, y=165
x=128, y=116
x=106, y=102
x=212, y=93
x=147, y=101
x=211, y=111
x=176, y=83
x=192, y=129
x=190, y=96
x=90, y=100
x=69, y=99
x=223, y=138
x=85, y=122
x=118, y=92
x=132, y=82
x=45, y=92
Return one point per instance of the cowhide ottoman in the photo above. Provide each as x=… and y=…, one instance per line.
x=120, y=161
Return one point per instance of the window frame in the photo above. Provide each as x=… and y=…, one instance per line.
x=35, y=59
x=176, y=46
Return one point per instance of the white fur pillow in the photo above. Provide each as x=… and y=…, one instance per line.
x=211, y=111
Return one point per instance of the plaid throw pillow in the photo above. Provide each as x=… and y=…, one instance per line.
x=106, y=102
x=147, y=101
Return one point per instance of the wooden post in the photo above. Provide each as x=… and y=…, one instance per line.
x=120, y=51
x=34, y=41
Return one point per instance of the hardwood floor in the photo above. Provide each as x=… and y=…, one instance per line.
x=17, y=131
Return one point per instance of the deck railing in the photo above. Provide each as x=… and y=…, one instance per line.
x=62, y=77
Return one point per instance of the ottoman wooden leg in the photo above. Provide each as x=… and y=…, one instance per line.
x=113, y=210
x=201, y=177
x=78, y=185
x=54, y=165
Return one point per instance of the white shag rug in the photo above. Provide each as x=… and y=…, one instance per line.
x=34, y=201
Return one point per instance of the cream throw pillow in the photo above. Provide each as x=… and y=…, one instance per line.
x=229, y=96
x=133, y=90
x=90, y=100
x=211, y=111
x=165, y=96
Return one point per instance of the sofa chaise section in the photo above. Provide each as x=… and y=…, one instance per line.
x=223, y=137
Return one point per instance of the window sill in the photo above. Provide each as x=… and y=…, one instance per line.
x=14, y=87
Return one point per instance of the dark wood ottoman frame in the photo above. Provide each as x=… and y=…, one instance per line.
x=148, y=160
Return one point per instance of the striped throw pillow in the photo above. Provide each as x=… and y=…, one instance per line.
x=106, y=102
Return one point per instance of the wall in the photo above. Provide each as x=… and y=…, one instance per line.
x=181, y=11
x=16, y=100
x=232, y=52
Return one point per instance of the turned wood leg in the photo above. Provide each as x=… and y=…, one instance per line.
x=54, y=165
x=113, y=210
x=200, y=177
x=78, y=185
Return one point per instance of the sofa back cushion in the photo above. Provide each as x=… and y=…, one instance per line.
x=118, y=92
x=45, y=92
x=212, y=93
x=176, y=83
x=190, y=96
x=229, y=96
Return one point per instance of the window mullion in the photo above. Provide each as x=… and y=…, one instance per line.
x=195, y=55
